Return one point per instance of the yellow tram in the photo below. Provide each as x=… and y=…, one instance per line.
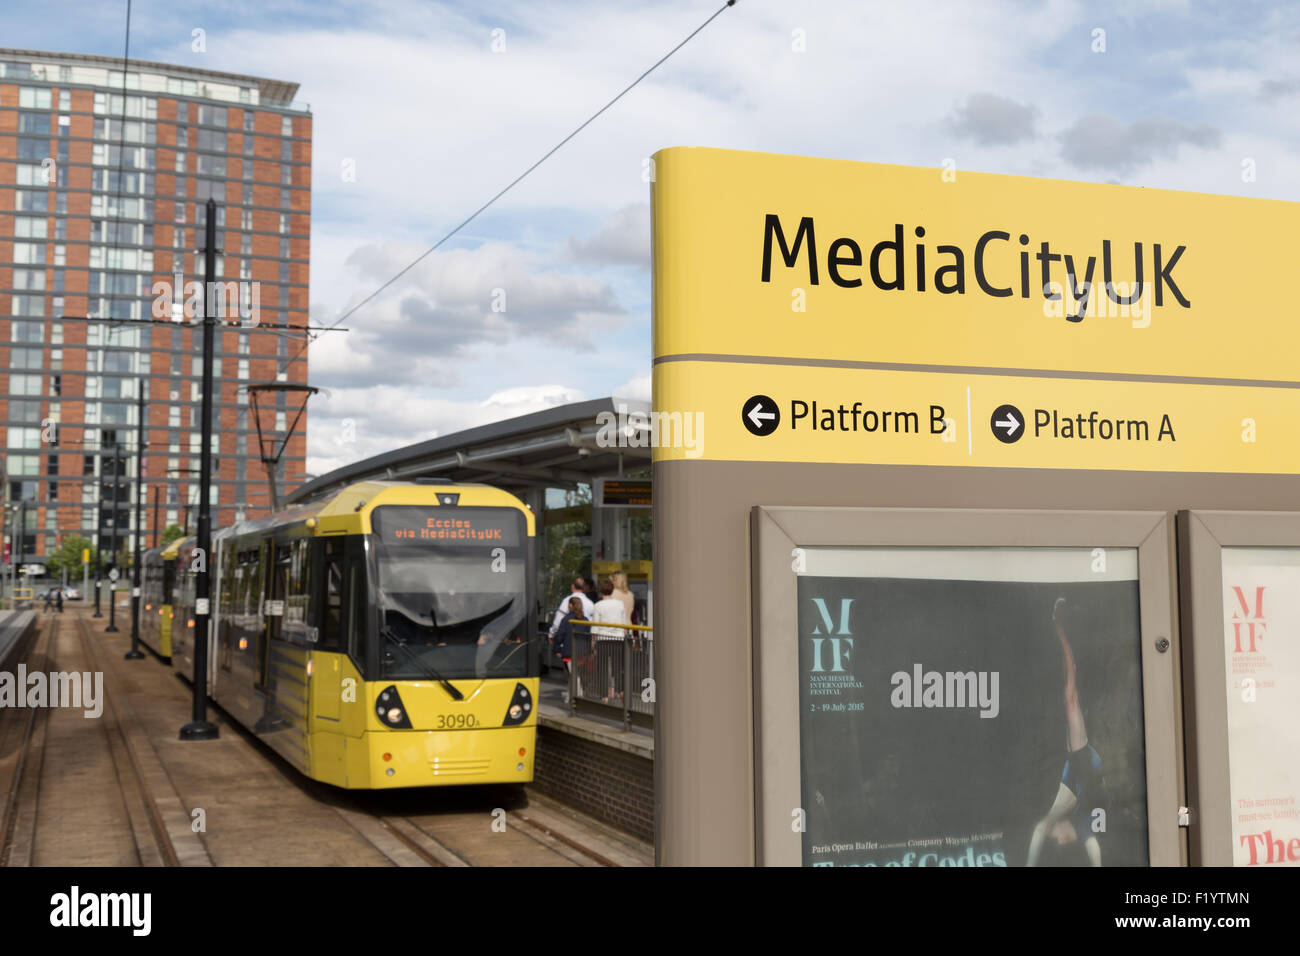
x=379, y=637
x=157, y=582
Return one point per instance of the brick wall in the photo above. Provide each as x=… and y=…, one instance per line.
x=607, y=783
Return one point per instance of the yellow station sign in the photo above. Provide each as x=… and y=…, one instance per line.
x=822, y=310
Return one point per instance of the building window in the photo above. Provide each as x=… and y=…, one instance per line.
x=29, y=279
x=28, y=304
x=33, y=148
x=25, y=228
x=33, y=98
x=210, y=139
x=25, y=438
x=211, y=115
x=31, y=201
x=24, y=385
x=36, y=123
x=210, y=165
x=26, y=358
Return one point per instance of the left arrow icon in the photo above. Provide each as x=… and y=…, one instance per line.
x=760, y=415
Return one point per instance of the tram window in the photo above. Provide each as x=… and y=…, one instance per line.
x=297, y=597
x=332, y=611
x=356, y=608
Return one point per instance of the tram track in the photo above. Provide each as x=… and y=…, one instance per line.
x=24, y=733
x=29, y=832
x=153, y=845
x=107, y=791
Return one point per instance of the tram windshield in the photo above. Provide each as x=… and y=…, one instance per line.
x=451, y=588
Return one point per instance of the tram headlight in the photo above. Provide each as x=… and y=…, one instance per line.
x=521, y=705
x=390, y=710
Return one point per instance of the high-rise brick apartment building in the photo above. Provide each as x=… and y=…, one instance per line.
x=102, y=194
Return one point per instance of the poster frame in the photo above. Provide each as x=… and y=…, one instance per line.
x=776, y=533
x=1202, y=536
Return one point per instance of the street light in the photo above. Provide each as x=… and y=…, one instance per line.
x=99, y=537
x=113, y=573
x=17, y=542
x=135, y=654
x=200, y=728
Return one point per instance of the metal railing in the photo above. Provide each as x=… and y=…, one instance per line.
x=611, y=676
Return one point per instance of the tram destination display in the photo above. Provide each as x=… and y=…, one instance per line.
x=413, y=524
x=971, y=707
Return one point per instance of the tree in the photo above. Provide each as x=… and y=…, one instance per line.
x=171, y=533
x=568, y=547
x=68, y=556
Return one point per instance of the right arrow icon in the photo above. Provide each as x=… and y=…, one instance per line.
x=1008, y=423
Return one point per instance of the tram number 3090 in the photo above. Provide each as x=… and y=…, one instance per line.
x=456, y=720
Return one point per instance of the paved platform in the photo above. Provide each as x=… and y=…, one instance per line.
x=610, y=733
x=122, y=789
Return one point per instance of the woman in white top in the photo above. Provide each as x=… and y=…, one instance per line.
x=623, y=593
x=609, y=655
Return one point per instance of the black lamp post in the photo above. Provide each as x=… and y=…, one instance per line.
x=114, y=573
x=200, y=728
x=135, y=654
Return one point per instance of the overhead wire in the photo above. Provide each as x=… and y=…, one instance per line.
x=518, y=179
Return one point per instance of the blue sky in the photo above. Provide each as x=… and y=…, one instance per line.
x=1184, y=96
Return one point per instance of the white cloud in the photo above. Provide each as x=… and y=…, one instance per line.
x=452, y=304
x=437, y=123
x=636, y=388
x=624, y=239
x=1101, y=142
x=994, y=120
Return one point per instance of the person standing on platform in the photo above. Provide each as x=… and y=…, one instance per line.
x=624, y=593
x=577, y=589
x=564, y=636
x=609, y=640
x=58, y=600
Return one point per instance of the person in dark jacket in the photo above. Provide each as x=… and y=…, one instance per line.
x=564, y=634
